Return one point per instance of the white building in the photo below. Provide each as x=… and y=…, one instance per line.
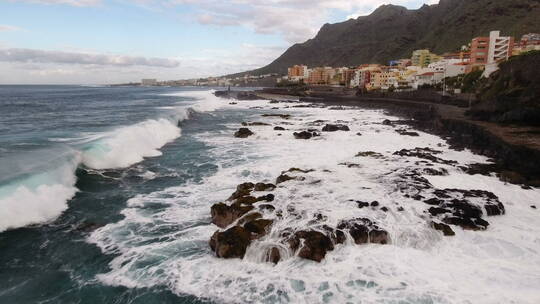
x=449, y=67
x=500, y=49
x=149, y=82
x=427, y=78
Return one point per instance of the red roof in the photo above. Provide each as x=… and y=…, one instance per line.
x=427, y=74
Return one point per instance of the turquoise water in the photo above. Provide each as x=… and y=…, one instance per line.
x=105, y=197
x=43, y=129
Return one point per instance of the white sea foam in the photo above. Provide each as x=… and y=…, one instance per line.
x=163, y=239
x=129, y=145
x=126, y=146
x=39, y=197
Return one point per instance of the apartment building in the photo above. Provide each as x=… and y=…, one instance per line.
x=423, y=58
x=298, y=72
x=321, y=75
x=492, y=49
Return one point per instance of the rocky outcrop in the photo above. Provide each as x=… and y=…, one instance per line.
x=243, y=133
x=364, y=231
x=334, y=128
x=305, y=134
x=232, y=243
x=255, y=124
x=311, y=245
x=250, y=226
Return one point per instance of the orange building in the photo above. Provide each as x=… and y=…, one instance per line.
x=492, y=49
x=321, y=75
x=298, y=71
x=479, y=50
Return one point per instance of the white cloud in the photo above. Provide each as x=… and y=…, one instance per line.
x=44, y=56
x=51, y=68
x=66, y=2
x=294, y=20
x=8, y=28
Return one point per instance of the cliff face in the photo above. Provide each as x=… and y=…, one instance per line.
x=393, y=32
x=512, y=94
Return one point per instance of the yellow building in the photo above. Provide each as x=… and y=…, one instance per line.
x=384, y=79
x=423, y=58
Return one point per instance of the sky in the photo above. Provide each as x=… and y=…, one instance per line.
x=118, y=41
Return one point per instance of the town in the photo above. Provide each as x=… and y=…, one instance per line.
x=423, y=70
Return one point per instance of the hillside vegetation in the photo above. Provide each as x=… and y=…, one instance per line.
x=512, y=94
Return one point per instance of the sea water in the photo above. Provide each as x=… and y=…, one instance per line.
x=143, y=166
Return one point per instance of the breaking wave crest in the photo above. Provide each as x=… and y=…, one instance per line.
x=39, y=193
x=39, y=197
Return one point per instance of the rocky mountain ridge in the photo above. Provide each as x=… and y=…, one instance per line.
x=393, y=32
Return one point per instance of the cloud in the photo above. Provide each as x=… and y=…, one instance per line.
x=66, y=2
x=294, y=20
x=9, y=28
x=207, y=62
x=43, y=56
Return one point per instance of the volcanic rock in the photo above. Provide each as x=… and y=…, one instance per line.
x=258, y=228
x=223, y=215
x=334, y=128
x=311, y=245
x=231, y=243
x=264, y=187
x=305, y=135
x=243, y=133
x=364, y=231
x=257, y=123
x=447, y=231
x=242, y=190
x=273, y=255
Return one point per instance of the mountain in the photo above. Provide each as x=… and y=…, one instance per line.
x=393, y=32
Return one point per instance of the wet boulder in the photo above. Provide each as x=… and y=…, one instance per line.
x=334, y=128
x=231, y=243
x=243, y=133
x=273, y=255
x=242, y=190
x=255, y=124
x=364, y=231
x=284, y=178
x=224, y=215
x=305, y=135
x=437, y=210
x=258, y=228
x=264, y=187
x=446, y=230
x=246, y=200
x=387, y=122
x=279, y=128
x=311, y=245
x=404, y=132
x=467, y=223
x=370, y=154
x=493, y=209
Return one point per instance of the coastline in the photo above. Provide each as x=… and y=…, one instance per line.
x=342, y=185
x=513, y=149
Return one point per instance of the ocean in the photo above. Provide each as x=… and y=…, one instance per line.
x=105, y=196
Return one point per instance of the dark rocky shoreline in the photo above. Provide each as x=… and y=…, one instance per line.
x=253, y=211
x=514, y=162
